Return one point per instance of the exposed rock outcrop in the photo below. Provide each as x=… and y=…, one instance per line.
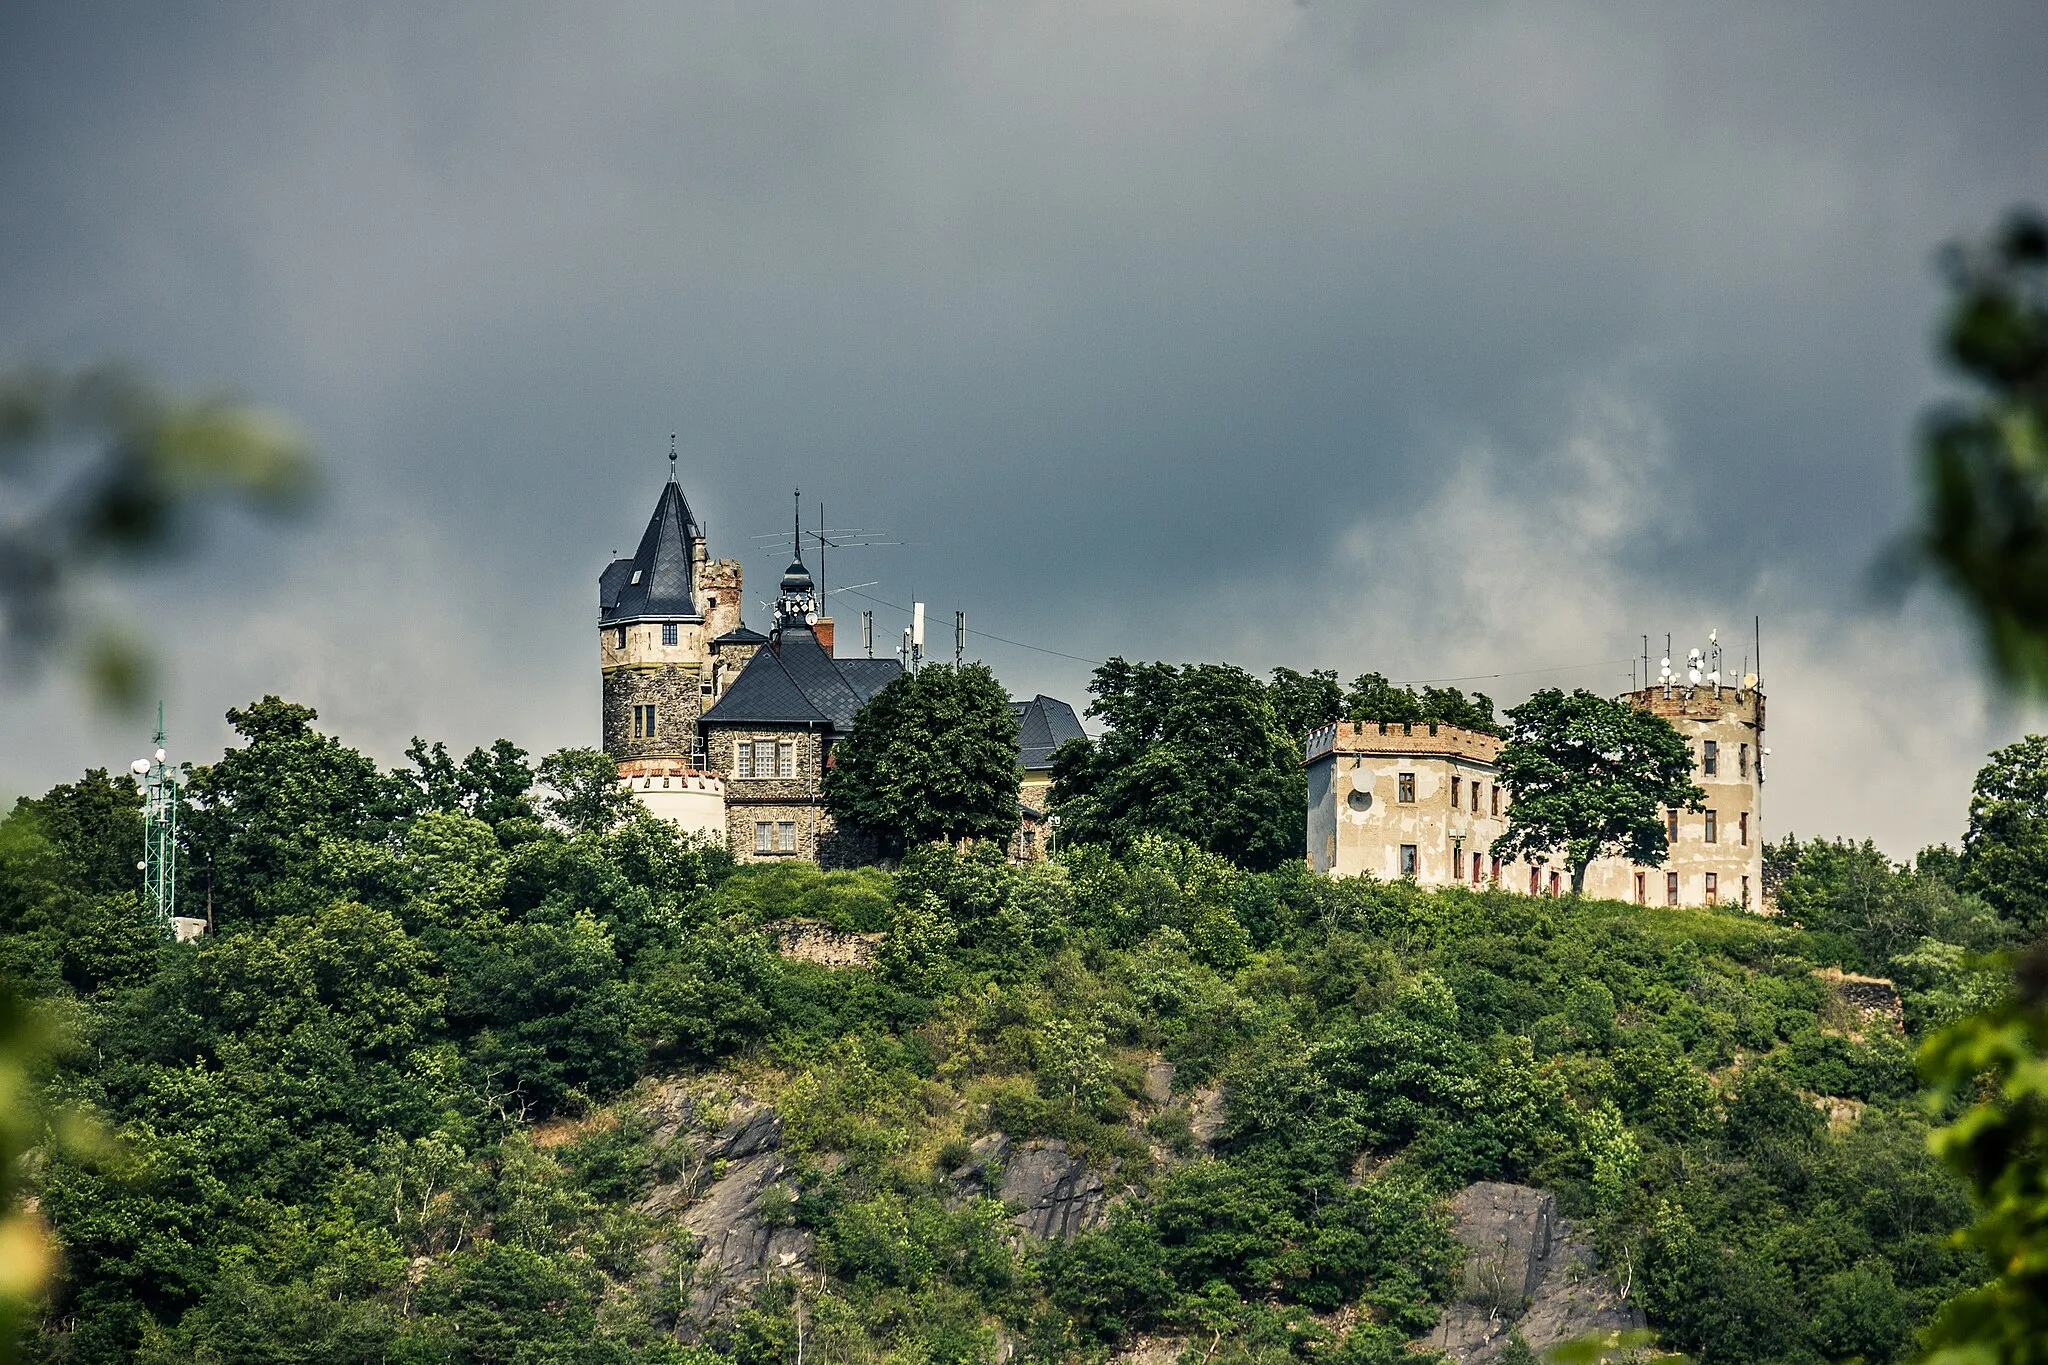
x=1862, y=1001
x=809, y=940
x=1055, y=1194
x=1205, y=1114
x=726, y=1193
x=1526, y=1269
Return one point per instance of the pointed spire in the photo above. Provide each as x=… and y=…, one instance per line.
x=671, y=457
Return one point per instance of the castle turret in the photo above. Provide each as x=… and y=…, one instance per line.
x=658, y=613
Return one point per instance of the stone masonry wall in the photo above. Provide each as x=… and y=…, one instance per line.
x=675, y=693
x=798, y=800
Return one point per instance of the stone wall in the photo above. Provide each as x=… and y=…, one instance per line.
x=673, y=689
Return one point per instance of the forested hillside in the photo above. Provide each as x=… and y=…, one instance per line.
x=465, y=1068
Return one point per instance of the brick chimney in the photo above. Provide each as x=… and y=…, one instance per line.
x=823, y=630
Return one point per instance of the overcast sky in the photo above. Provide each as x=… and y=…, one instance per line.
x=1442, y=340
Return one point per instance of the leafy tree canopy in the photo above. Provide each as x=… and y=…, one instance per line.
x=1373, y=699
x=1591, y=777
x=932, y=757
x=1195, y=750
x=1305, y=701
x=2005, y=850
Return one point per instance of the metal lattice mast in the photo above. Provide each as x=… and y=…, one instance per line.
x=159, y=830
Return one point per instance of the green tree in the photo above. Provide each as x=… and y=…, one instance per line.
x=491, y=784
x=1372, y=699
x=261, y=815
x=584, y=794
x=2005, y=850
x=1305, y=701
x=1195, y=751
x=1591, y=777
x=931, y=757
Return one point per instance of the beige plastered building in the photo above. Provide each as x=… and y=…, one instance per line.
x=1425, y=802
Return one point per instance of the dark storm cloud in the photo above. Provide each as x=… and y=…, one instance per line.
x=1138, y=321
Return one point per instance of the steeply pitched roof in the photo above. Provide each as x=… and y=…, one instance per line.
x=655, y=582
x=793, y=681
x=741, y=634
x=1043, y=724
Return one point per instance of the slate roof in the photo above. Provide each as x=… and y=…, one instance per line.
x=655, y=582
x=1043, y=724
x=741, y=634
x=794, y=681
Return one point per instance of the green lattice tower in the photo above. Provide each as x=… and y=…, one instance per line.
x=159, y=830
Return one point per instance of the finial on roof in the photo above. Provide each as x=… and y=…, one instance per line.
x=671, y=457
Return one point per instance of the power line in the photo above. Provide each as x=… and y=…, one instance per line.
x=1517, y=673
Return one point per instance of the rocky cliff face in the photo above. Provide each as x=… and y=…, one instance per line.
x=1053, y=1193
x=1526, y=1270
x=733, y=1204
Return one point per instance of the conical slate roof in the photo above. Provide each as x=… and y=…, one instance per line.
x=655, y=582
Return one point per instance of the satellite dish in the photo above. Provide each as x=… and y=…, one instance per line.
x=1361, y=781
x=159, y=755
x=810, y=618
x=139, y=766
x=1749, y=680
x=1693, y=676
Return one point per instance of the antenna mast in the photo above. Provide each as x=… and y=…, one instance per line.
x=159, y=865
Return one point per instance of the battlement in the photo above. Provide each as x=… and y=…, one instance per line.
x=1701, y=703
x=1421, y=738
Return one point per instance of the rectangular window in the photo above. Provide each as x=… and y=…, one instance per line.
x=743, y=759
x=643, y=722
x=1458, y=864
x=1496, y=798
x=1553, y=882
x=1496, y=872
x=620, y=640
x=764, y=758
x=764, y=837
x=1457, y=795
x=1535, y=884
x=1713, y=888
x=1671, y=888
x=1742, y=828
x=1713, y=827
x=1642, y=888
x=1404, y=787
x=1475, y=798
x=1670, y=826
x=1710, y=761
x=1475, y=869
x=1407, y=860
x=1745, y=893
x=668, y=632
x=785, y=759
x=1742, y=762
x=785, y=836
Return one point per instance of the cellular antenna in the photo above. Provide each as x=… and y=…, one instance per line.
x=159, y=865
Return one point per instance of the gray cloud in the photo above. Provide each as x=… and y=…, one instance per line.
x=1155, y=327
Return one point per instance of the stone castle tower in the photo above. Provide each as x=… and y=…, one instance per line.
x=665, y=616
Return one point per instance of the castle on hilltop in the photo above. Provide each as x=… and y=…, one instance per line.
x=1424, y=801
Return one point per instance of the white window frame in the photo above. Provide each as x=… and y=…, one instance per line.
x=764, y=836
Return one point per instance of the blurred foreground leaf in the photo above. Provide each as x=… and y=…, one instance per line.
x=101, y=467
x=1984, y=458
